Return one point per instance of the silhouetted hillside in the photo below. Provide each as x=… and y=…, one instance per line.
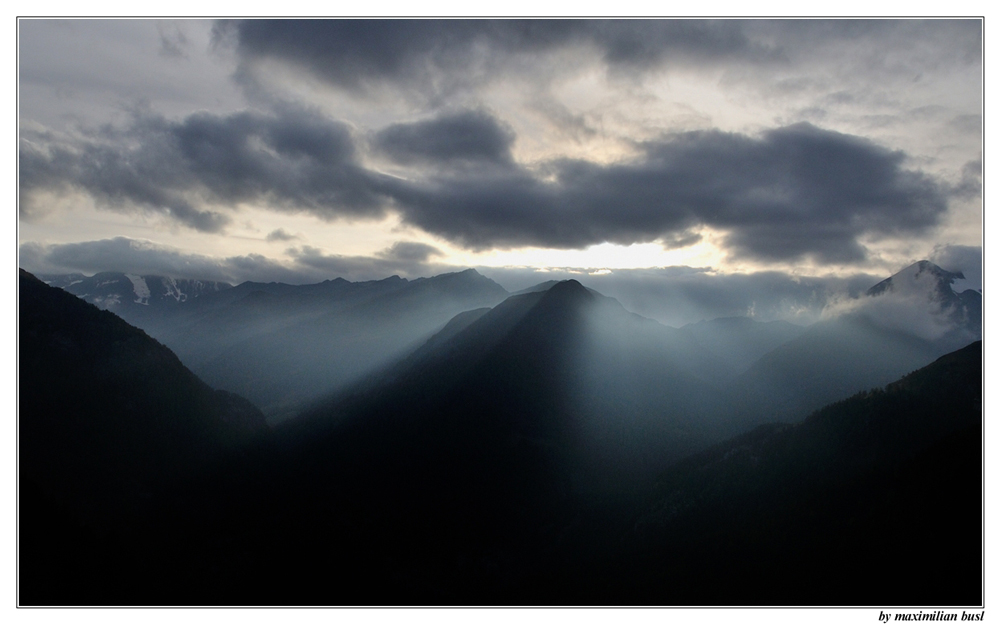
x=108, y=418
x=873, y=500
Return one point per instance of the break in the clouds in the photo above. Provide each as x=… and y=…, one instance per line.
x=352, y=147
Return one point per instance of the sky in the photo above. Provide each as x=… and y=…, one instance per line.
x=690, y=168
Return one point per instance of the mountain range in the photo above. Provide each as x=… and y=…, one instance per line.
x=286, y=347
x=283, y=346
x=462, y=445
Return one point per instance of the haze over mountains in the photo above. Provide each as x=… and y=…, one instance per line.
x=462, y=445
x=281, y=345
x=284, y=347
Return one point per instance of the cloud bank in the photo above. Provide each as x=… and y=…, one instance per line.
x=792, y=193
x=674, y=296
x=302, y=265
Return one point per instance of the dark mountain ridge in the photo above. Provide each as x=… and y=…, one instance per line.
x=108, y=419
x=567, y=355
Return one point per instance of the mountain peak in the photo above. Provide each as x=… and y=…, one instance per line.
x=569, y=289
x=467, y=280
x=922, y=275
x=467, y=274
x=925, y=291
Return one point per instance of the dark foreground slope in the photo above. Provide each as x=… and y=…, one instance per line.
x=876, y=500
x=108, y=418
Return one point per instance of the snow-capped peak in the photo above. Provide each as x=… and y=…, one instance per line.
x=920, y=277
x=921, y=299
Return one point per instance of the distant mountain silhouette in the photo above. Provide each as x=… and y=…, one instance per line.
x=108, y=419
x=282, y=346
x=293, y=356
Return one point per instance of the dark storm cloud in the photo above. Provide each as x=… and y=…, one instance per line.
x=464, y=136
x=963, y=38
x=357, y=54
x=437, y=57
x=966, y=259
x=144, y=258
x=280, y=235
x=118, y=177
x=406, y=259
x=971, y=185
x=172, y=40
x=794, y=192
x=410, y=252
x=294, y=159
